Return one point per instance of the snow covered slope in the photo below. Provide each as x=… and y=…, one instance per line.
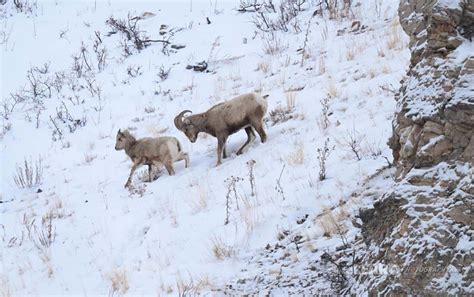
x=78, y=231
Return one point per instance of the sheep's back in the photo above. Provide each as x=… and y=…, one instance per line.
x=237, y=109
x=153, y=148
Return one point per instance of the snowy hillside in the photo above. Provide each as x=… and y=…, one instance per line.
x=71, y=80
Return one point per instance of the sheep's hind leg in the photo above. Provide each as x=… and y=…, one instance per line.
x=224, y=152
x=258, y=126
x=185, y=157
x=186, y=160
x=250, y=138
x=221, y=140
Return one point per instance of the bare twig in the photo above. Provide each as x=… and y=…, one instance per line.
x=305, y=43
x=325, y=256
x=231, y=182
x=325, y=111
x=323, y=155
x=253, y=187
x=278, y=186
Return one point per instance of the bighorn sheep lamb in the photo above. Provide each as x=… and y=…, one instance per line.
x=242, y=112
x=150, y=151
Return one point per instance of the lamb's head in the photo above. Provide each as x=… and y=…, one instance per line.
x=123, y=139
x=187, y=125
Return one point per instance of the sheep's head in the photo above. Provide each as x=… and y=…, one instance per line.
x=187, y=126
x=121, y=140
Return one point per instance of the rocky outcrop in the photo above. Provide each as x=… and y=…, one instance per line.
x=422, y=229
x=421, y=234
x=435, y=117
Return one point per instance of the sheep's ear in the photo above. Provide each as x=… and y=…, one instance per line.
x=119, y=132
x=187, y=121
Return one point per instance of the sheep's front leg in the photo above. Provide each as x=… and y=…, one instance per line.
x=135, y=165
x=250, y=138
x=221, y=140
x=224, y=152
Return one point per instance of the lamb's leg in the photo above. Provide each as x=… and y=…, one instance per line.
x=221, y=140
x=149, y=173
x=169, y=167
x=134, y=167
x=186, y=160
x=250, y=138
x=185, y=157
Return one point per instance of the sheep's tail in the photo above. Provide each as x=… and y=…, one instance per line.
x=266, y=96
x=180, y=149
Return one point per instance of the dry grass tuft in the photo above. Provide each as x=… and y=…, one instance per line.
x=89, y=157
x=201, y=203
x=332, y=222
x=321, y=64
x=350, y=53
x=56, y=211
x=5, y=290
x=290, y=100
x=394, y=41
x=119, y=281
x=248, y=213
x=173, y=217
x=380, y=52
x=331, y=89
x=386, y=69
x=264, y=66
x=29, y=175
x=220, y=250
x=192, y=286
x=272, y=45
x=280, y=115
x=372, y=72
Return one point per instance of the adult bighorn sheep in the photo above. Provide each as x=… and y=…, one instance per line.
x=150, y=151
x=241, y=112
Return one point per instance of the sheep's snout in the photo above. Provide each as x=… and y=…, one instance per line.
x=192, y=137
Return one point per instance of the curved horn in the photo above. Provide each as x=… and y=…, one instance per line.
x=178, y=120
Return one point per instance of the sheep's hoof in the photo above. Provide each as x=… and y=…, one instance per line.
x=238, y=153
